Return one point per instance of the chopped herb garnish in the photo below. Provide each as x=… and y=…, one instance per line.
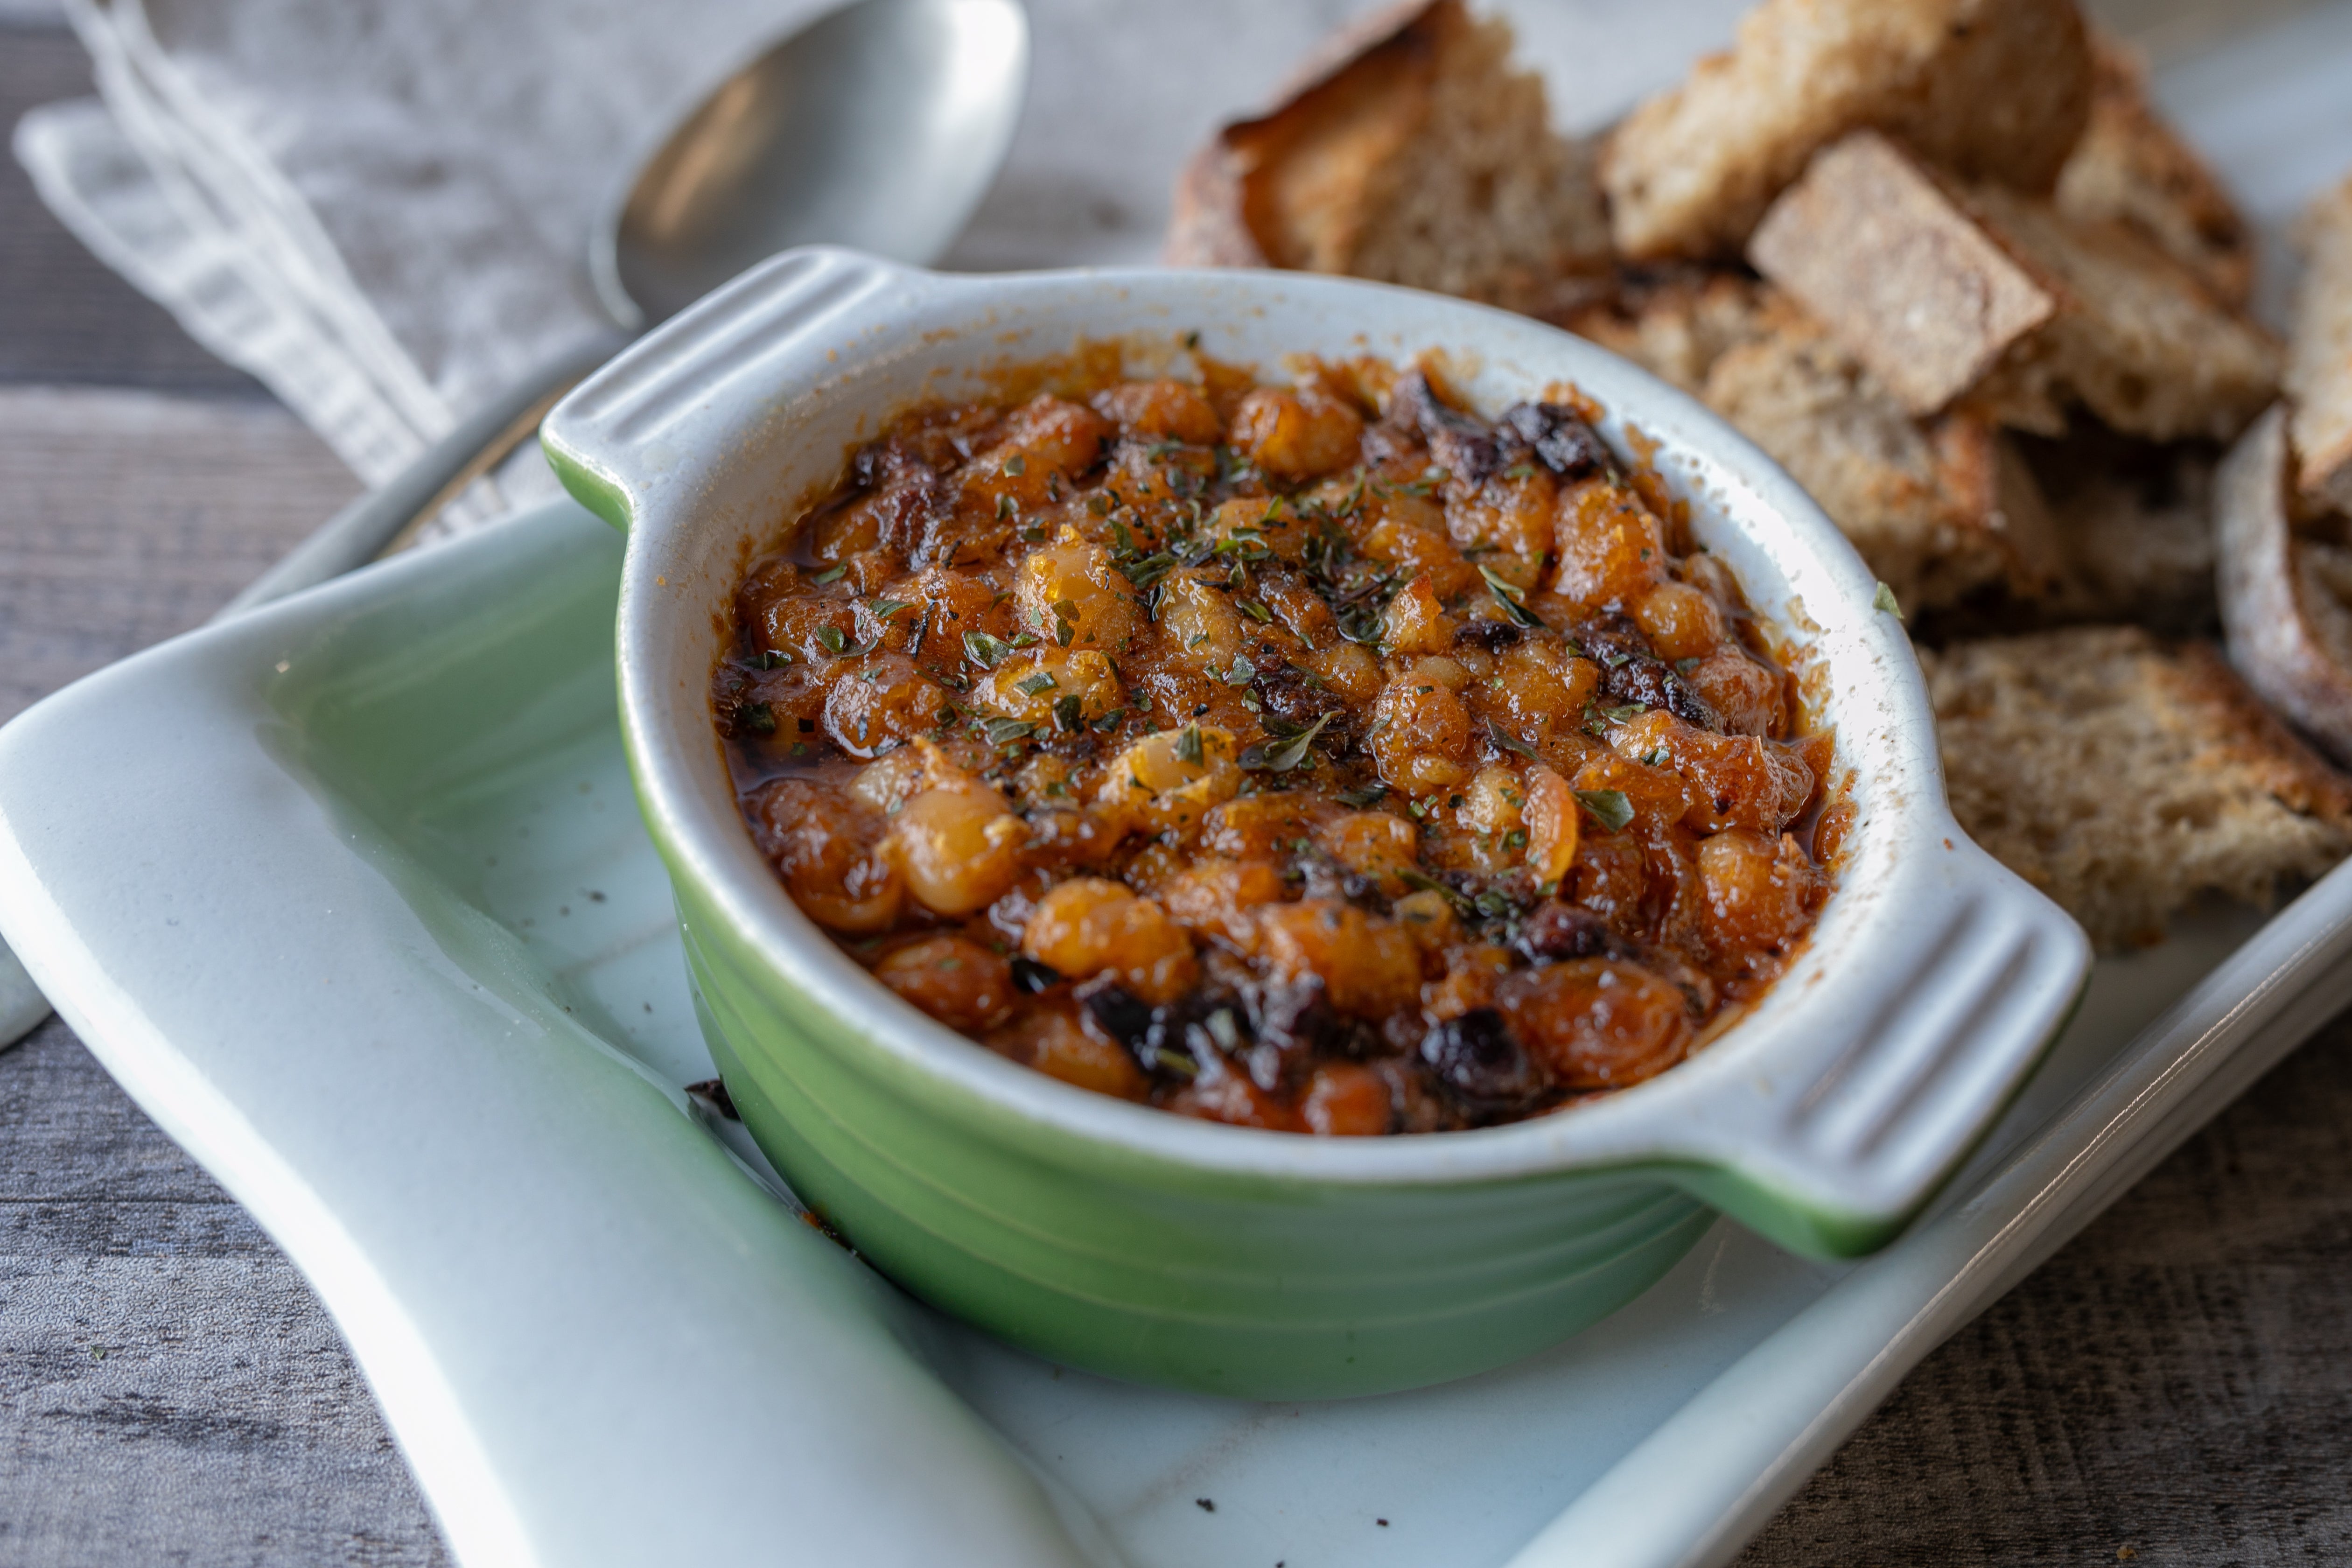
x=984, y=650
x=1363, y=795
x=1005, y=732
x=1272, y=758
x=1623, y=713
x=1029, y=686
x=1005, y=507
x=832, y=574
x=834, y=643
x=1510, y=596
x=757, y=717
x=1609, y=808
x=1520, y=472
x=885, y=608
x=1257, y=611
x=1508, y=741
x=1885, y=600
x=1110, y=721
x=1188, y=745
x=1069, y=712
x=1240, y=672
x=1414, y=877
x=1016, y=464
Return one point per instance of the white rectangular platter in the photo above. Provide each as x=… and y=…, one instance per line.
x=422, y=1009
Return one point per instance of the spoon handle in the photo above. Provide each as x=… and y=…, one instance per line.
x=390, y=515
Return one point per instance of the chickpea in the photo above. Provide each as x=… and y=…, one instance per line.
x=1222, y=1094
x=1612, y=878
x=1751, y=699
x=1423, y=552
x=1202, y=628
x=1260, y=528
x=954, y=602
x=1053, y=1041
x=1160, y=410
x=1370, y=967
x=1034, y=684
x=1420, y=731
x=1300, y=435
x=1217, y=896
x=879, y=701
x=960, y=982
x=1415, y=621
x=1735, y=780
x=795, y=625
x=1427, y=916
x=1555, y=823
x=1089, y=926
x=1494, y=803
x=1347, y=669
x=1344, y=1101
x=959, y=850
x=824, y=845
x=1151, y=473
x=1070, y=595
x=1373, y=844
x=1596, y=1023
x=889, y=781
x=1610, y=548
x=1468, y=982
x=1756, y=889
x=1511, y=516
x=1045, y=439
x=1657, y=794
x=1680, y=621
x=1263, y=826
x=1170, y=780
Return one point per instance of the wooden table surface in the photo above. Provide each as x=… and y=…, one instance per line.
x=2171, y=1388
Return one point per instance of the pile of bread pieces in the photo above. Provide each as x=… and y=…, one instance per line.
x=1944, y=261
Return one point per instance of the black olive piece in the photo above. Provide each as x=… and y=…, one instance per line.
x=1560, y=440
x=1477, y=1061
x=1631, y=673
x=1559, y=929
x=1123, y=1016
x=1461, y=443
x=1032, y=976
x=1493, y=636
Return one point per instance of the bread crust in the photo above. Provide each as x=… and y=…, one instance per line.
x=1408, y=151
x=1997, y=90
x=2287, y=634
x=2131, y=167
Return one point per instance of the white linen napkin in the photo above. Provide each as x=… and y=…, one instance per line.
x=382, y=212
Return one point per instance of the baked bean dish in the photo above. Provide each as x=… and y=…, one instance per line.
x=1317, y=757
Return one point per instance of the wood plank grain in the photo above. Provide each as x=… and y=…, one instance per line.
x=130, y=516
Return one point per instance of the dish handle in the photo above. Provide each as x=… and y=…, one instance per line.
x=609, y=440
x=1868, y=1118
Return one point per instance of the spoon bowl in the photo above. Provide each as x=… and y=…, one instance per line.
x=878, y=127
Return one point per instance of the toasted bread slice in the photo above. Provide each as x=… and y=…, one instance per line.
x=1412, y=154
x=1676, y=323
x=1995, y=89
x=1895, y=264
x=2133, y=524
x=1942, y=289
x=2127, y=777
x=2319, y=358
x=2132, y=168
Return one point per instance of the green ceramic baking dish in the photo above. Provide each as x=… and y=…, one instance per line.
x=1119, y=1238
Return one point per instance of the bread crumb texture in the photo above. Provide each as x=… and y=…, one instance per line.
x=1991, y=89
x=2127, y=777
